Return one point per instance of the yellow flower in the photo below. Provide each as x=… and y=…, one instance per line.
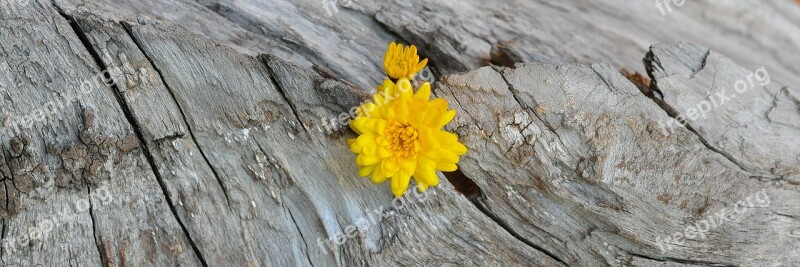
x=401, y=136
x=402, y=62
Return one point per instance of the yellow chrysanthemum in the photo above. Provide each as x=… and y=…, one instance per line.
x=401, y=136
x=400, y=62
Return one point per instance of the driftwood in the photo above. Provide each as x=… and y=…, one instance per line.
x=213, y=133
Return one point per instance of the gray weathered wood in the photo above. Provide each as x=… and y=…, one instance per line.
x=349, y=38
x=56, y=166
x=725, y=96
x=219, y=143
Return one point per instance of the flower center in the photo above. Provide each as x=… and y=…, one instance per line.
x=403, y=139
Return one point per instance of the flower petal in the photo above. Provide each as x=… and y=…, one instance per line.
x=427, y=177
x=363, y=160
x=446, y=167
x=424, y=91
x=400, y=184
x=366, y=170
x=443, y=119
x=378, y=176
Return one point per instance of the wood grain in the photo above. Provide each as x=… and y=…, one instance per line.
x=219, y=138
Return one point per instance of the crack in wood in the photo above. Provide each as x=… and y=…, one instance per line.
x=126, y=110
x=86, y=45
x=300, y=232
x=149, y=156
x=103, y=257
x=683, y=261
x=285, y=98
x=649, y=61
x=129, y=29
x=514, y=233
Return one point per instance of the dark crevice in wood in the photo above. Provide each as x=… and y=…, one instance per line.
x=5, y=187
x=682, y=261
x=282, y=92
x=652, y=92
x=531, y=112
x=472, y=192
x=674, y=114
x=7, y=158
x=87, y=46
x=168, y=138
x=149, y=156
x=104, y=260
x=651, y=59
x=3, y=233
x=305, y=244
x=500, y=222
x=2, y=260
x=129, y=30
x=467, y=187
x=702, y=65
x=463, y=184
x=500, y=56
x=643, y=83
x=10, y=178
x=649, y=62
x=129, y=116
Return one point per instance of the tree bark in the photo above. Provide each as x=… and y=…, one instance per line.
x=208, y=133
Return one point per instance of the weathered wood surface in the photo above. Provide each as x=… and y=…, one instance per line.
x=214, y=144
x=348, y=37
